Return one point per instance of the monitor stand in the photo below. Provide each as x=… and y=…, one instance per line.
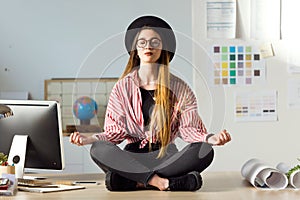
x=17, y=154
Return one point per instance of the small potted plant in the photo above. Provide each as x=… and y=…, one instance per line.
x=294, y=169
x=5, y=168
x=3, y=159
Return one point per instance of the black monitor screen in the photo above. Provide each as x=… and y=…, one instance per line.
x=41, y=121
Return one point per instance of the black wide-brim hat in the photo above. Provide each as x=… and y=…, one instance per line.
x=158, y=25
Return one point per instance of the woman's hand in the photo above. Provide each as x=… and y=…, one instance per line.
x=80, y=139
x=219, y=139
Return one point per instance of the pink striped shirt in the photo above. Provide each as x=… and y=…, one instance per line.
x=124, y=117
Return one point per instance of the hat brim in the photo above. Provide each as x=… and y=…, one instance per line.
x=159, y=25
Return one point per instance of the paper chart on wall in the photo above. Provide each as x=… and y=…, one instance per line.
x=237, y=65
x=294, y=93
x=256, y=106
x=221, y=18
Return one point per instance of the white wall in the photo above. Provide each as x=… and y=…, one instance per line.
x=78, y=38
x=274, y=142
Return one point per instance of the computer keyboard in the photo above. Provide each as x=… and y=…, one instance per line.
x=32, y=183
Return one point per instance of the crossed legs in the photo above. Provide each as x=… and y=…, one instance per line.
x=146, y=169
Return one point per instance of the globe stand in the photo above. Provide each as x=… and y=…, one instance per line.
x=83, y=128
x=85, y=122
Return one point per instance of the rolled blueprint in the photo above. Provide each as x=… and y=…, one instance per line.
x=294, y=178
x=263, y=176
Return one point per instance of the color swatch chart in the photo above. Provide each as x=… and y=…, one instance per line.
x=256, y=106
x=237, y=65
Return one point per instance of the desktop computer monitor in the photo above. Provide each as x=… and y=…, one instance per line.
x=33, y=134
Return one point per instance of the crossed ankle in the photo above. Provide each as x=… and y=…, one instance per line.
x=188, y=182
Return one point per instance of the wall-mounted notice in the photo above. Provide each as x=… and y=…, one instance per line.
x=256, y=106
x=294, y=93
x=221, y=18
x=293, y=61
x=237, y=65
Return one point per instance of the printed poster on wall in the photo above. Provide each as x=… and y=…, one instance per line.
x=256, y=106
x=237, y=65
x=221, y=18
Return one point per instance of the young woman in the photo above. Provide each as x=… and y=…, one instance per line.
x=149, y=108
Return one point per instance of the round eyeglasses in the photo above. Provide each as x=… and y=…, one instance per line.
x=153, y=42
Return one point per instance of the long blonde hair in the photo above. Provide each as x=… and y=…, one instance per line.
x=161, y=116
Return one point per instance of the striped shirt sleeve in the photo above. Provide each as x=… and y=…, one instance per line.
x=115, y=126
x=191, y=127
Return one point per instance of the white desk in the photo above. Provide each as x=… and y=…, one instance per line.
x=217, y=185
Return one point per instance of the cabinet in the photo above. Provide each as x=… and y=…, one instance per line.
x=66, y=91
x=78, y=160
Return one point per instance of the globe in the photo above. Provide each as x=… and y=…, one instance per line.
x=85, y=108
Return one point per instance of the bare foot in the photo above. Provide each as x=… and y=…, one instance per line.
x=160, y=183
